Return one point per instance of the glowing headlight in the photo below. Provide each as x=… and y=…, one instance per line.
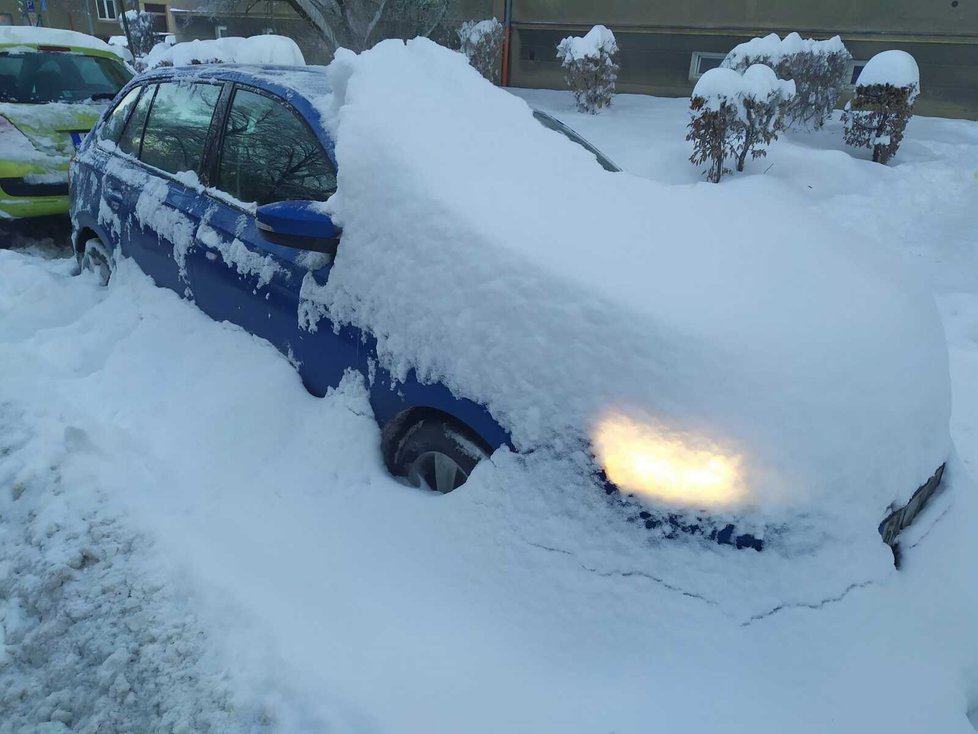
x=645, y=460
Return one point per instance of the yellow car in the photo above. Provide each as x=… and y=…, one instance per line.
x=54, y=85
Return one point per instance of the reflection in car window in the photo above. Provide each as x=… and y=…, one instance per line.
x=269, y=154
x=177, y=126
x=132, y=134
x=117, y=119
x=39, y=78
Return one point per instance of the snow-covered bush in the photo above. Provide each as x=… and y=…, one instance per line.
x=591, y=67
x=883, y=103
x=482, y=42
x=818, y=68
x=736, y=115
x=141, y=31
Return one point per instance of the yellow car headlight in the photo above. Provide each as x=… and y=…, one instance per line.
x=645, y=460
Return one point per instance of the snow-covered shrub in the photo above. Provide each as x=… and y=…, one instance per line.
x=736, y=115
x=591, y=67
x=482, y=42
x=883, y=103
x=818, y=68
x=714, y=108
x=141, y=31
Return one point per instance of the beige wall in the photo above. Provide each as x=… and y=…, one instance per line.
x=925, y=17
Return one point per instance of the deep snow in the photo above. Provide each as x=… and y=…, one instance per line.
x=305, y=591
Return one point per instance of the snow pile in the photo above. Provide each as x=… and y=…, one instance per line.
x=564, y=294
x=896, y=68
x=260, y=50
x=774, y=48
x=721, y=85
x=598, y=43
x=51, y=37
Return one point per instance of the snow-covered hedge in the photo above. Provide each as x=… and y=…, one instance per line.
x=591, y=67
x=818, y=68
x=265, y=49
x=482, y=42
x=736, y=115
x=879, y=111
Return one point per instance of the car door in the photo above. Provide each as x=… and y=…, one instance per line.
x=268, y=153
x=153, y=184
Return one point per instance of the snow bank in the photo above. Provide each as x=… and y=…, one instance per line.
x=51, y=37
x=897, y=68
x=261, y=50
x=599, y=40
x=773, y=48
x=564, y=295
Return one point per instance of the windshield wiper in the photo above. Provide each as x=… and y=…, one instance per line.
x=103, y=95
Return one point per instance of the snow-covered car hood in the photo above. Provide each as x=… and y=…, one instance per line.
x=489, y=254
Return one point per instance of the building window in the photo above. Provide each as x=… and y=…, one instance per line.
x=105, y=9
x=702, y=62
x=158, y=11
x=857, y=69
x=220, y=31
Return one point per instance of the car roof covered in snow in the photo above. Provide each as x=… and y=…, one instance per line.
x=33, y=36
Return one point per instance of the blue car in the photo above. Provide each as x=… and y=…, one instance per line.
x=209, y=180
x=212, y=179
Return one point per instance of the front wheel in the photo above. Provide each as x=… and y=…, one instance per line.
x=95, y=257
x=438, y=454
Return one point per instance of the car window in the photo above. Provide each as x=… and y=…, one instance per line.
x=132, y=134
x=112, y=128
x=177, y=126
x=48, y=76
x=269, y=154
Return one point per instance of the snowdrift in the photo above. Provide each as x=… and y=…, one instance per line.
x=485, y=252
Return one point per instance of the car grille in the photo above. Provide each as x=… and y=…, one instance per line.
x=20, y=187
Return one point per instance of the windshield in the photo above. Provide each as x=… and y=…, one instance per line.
x=553, y=123
x=55, y=76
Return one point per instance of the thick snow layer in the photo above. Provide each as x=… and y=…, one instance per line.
x=51, y=37
x=897, y=68
x=772, y=48
x=759, y=82
x=597, y=41
x=262, y=50
x=268, y=543
x=804, y=352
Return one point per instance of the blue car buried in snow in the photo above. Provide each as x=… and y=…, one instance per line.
x=212, y=181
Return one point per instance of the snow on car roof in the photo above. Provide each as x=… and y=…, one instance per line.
x=51, y=37
x=488, y=254
x=265, y=49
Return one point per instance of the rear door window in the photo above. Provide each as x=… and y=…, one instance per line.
x=132, y=134
x=270, y=154
x=176, y=129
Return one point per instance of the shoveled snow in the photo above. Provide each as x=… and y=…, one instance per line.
x=264, y=49
x=897, y=68
x=602, y=292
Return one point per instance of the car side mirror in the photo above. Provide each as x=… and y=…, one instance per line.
x=302, y=225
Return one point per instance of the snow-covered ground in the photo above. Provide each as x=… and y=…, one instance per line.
x=190, y=542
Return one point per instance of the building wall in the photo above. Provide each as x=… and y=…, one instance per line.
x=657, y=40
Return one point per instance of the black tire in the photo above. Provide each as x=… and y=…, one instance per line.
x=438, y=454
x=95, y=257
